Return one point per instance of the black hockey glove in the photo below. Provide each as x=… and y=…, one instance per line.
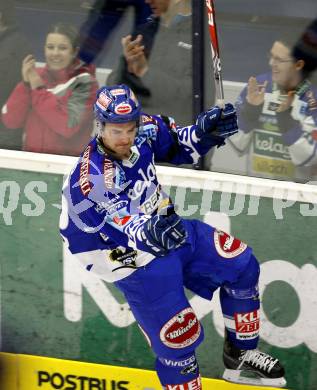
x=163, y=233
x=217, y=124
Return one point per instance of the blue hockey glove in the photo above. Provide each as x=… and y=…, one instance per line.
x=217, y=124
x=163, y=233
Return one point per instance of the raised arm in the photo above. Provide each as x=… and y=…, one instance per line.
x=14, y=112
x=180, y=145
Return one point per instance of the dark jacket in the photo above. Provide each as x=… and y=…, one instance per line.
x=169, y=77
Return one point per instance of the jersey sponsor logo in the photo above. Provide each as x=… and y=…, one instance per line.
x=108, y=173
x=103, y=101
x=247, y=325
x=146, y=119
x=119, y=176
x=104, y=207
x=126, y=256
x=273, y=167
x=113, y=200
x=140, y=185
x=182, y=330
x=270, y=145
x=123, y=109
x=146, y=132
x=118, y=91
x=228, y=246
x=272, y=100
x=84, y=183
x=152, y=202
x=116, y=207
x=134, y=157
x=192, y=368
x=194, y=384
x=178, y=363
x=122, y=221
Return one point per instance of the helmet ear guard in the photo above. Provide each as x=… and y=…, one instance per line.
x=116, y=104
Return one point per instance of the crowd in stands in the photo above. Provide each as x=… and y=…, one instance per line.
x=48, y=109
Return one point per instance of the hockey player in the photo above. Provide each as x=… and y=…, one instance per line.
x=118, y=222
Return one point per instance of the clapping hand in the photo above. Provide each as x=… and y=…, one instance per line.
x=255, y=92
x=133, y=51
x=27, y=64
x=29, y=73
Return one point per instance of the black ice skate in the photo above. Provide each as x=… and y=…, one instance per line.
x=251, y=367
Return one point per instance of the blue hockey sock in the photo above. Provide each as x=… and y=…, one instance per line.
x=240, y=307
x=177, y=371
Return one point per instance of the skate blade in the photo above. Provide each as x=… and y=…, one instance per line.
x=236, y=377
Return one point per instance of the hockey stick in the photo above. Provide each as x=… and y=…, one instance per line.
x=215, y=52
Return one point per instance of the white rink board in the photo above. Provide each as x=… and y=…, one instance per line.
x=173, y=176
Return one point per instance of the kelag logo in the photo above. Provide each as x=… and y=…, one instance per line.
x=56, y=380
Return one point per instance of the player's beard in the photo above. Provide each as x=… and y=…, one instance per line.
x=123, y=151
x=117, y=154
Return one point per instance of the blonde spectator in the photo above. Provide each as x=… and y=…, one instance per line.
x=54, y=104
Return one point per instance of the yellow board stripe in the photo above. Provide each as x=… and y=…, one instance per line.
x=27, y=372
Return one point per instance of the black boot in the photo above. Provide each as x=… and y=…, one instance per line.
x=258, y=368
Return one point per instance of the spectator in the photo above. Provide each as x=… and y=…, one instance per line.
x=102, y=20
x=54, y=104
x=277, y=114
x=168, y=71
x=14, y=48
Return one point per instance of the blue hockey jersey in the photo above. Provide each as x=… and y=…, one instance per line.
x=106, y=201
x=280, y=146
